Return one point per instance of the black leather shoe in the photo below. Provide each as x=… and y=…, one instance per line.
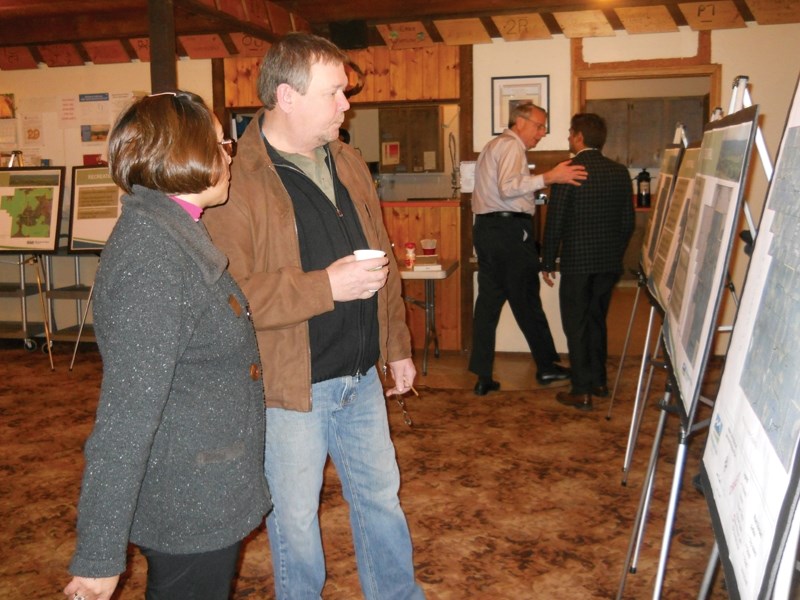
x=551, y=374
x=484, y=387
x=579, y=401
x=601, y=391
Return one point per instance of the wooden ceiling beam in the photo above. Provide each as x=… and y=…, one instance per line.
x=191, y=18
x=67, y=28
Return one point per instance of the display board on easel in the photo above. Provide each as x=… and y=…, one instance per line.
x=666, y=179
x=30, y=209
x=690, y=319
x=750, y=468
x=95, y=208
x=682, y=210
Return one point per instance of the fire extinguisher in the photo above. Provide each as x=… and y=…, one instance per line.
x=643, y=189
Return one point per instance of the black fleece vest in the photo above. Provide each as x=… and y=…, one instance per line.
x=343, y=341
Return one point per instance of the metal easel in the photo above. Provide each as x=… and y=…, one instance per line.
x=81, y=325
x=648, y=358
x=16, y=160
x=678, y=138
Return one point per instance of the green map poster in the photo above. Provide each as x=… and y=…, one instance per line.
x=30, y=209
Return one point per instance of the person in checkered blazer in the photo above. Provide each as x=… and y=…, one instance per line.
x=587, y=230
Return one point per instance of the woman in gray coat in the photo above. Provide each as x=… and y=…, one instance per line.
x=175, y=461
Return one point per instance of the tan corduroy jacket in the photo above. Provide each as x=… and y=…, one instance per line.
x=256, y=229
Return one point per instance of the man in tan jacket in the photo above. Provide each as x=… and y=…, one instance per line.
x=301, y=202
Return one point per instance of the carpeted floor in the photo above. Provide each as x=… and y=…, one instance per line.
x=511, y=496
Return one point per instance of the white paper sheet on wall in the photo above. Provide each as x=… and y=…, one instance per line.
x=467, y=171
x=8, y=133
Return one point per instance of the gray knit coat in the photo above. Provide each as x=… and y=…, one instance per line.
x=175, y=459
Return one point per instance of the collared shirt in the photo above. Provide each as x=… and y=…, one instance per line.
x=503, y=181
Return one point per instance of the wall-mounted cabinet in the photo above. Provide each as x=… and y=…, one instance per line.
x=640, y=128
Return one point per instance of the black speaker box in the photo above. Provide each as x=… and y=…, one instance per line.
x=349, y=35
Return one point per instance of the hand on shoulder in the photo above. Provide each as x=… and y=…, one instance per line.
x=566, y=172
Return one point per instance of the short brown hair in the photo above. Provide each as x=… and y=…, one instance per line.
x=289, y=61
x=593, y=128
x=166, y=142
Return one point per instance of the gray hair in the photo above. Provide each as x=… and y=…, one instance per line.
x=524, y=110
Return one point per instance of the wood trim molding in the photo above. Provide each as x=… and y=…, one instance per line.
x=465, y=125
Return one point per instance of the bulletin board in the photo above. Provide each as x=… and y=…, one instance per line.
x=750, y=468
x=30, y=209
x=95, y=208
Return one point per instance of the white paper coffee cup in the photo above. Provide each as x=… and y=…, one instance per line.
x=368, y=253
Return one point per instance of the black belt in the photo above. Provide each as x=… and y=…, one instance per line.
x=506, y=214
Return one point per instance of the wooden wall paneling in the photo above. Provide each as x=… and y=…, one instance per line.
x=363, y=60
x=450, y=72
x=413, y=68
x=241, y=82
x=412, y=221
x=396, y=222
x=430, y=72
x=366, y=60
x=465, y=273
x=381, y=78
x=397, y=76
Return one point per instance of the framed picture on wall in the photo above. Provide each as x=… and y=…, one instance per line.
x=30, y=209
x=95, y=208
x=508, y=92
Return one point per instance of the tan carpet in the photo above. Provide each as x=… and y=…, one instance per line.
x=510, y=496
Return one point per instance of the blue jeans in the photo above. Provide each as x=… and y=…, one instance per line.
x=348, y=422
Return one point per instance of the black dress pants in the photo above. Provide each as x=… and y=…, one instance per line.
x=584, y=301
x=508, y=270
x=202, y=576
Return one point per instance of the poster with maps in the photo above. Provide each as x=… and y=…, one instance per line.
x=691, y=316
x=95, y=208
x=30, y=209
x=750, y=461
